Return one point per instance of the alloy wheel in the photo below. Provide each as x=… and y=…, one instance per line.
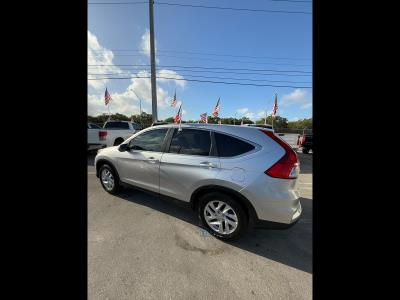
x=220, y=217
x=107, y=179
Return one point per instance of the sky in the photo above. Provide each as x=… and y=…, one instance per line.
x=267, y=48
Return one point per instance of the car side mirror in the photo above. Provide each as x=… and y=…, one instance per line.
x=123, y=147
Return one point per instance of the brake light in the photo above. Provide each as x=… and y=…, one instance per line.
x=287, y=166
x=102, y=135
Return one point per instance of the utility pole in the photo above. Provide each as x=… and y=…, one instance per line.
x=153, y=64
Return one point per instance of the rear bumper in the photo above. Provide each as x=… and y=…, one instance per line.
x=274, y=200
x=259, y=223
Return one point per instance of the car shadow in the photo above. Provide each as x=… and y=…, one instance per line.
x=90, y=158
x=292, y=247
x=305, y=163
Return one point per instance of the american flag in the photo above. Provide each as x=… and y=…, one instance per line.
x=275, y=109
x=203, y=118
x=173, y=103
x=178, y=116
x=216, y=109
x=107, y=97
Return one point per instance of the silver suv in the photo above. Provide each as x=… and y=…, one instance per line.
x=233, y=176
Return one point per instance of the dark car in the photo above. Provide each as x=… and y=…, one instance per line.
x=305, y=142
x=158, y=123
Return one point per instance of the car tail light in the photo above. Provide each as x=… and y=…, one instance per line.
x=287, y=166
x=102, y=135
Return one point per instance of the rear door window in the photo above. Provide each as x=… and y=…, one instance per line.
x=229, y=146
x=191, y=142
x=116, y=125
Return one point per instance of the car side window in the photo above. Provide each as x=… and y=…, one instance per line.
x=149, y=141
x=228, y=146
x=191, y=142
x=116, y=125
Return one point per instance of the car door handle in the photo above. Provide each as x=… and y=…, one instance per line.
x=207, y=164
x=152, y=160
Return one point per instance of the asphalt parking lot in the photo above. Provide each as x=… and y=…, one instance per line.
x=141, y=247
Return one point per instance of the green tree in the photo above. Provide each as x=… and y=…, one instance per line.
x=279, y=122
x=169, y=120
x=300, y=124
x=144, y=119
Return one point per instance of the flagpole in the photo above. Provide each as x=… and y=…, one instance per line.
x=272, y=122
x=180, y=118
x=265, y=119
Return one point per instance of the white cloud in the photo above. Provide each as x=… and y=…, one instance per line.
x=171, y=74
x=242, y=110
x=261, y=113
x=249, y=115
x=294, y=119
x=299, y=97
x=121, y=103
x=307, y=105
x=145, y=44
x=98, y=55
x=126, y=102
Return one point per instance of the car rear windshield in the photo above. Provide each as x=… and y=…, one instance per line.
x=94, y=126
x=229, y=146
x=191, y=142
x=116, y=125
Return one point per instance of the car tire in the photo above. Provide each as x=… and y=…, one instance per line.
x=305, y=150
x=109, y=179
x=229, y=231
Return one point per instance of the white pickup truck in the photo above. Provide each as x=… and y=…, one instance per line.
x=118, y=131
x=96, y=137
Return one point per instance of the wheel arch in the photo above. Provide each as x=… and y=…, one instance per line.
x=243, y=201
x=103, y=161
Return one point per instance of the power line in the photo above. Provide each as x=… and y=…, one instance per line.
x=204, y=6
x=209, y=68
x=233, y=69
x=202, y=76
x=292, y=1
x=205, y=81
x=208, y=53
x=210, y=59
x=233, y=8
x=221, y=72
x=117, y=3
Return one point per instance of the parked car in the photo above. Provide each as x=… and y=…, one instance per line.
x=305, y=142
x=233, y=176
x=118, y=131
x=158, y=123
x=96, y=137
